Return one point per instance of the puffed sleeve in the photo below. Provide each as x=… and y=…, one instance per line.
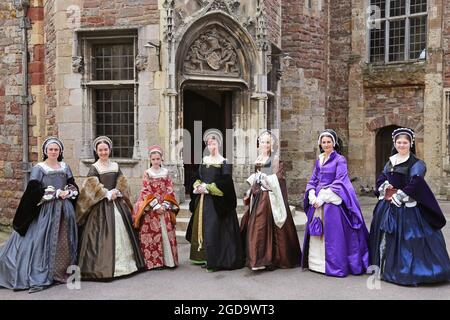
x=418, y=189
x=28, y=209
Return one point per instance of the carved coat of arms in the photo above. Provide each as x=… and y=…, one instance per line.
x=210, y=53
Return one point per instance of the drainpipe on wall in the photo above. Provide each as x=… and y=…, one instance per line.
x=26, y=99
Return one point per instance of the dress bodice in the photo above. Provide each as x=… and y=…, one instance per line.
x=51, y=177
x=326, y=172
x=399, y=175
x=109, y=179
x=106, y=175
x=265, y=167
x=210, y=172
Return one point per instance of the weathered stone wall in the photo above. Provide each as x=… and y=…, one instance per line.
x=339, y=55
x=394, y=95
x=10, y=111
x=73, y=111
x=11, y=86
x=99, y=13
x=446, y=43
x=445, y=186
x=273, y=18
x=387, y=106
x=36, y=77
x=403, y=94
x=433, y=102
x=50, y=127
x=304, y=37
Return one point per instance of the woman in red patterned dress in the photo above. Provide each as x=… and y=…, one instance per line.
x=154, y=215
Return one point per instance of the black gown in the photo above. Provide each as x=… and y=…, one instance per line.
x=221, y=247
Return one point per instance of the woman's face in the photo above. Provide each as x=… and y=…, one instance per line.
x=327, y=144
x=213, y=146
x=52, y=151
x=402, y=145
x=103, y=151
x=155, y=160
x=265, y=144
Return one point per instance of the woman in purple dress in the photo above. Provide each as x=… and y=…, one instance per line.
x=336, y=236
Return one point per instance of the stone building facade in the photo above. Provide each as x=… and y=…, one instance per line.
x=146, y=71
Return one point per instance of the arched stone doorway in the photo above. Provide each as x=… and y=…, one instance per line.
x=218, y=81
x=205, y=106
x=383, y=143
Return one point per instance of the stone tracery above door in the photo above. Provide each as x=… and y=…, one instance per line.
x=212, y=53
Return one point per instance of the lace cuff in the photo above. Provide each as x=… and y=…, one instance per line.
x=50, y=193
x=328, y=196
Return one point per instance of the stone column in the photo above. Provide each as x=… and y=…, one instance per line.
x=69, y=94
x=433, y=97
x=356, y=123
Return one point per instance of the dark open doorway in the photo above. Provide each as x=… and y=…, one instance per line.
x=213, y=108
x=384, y=146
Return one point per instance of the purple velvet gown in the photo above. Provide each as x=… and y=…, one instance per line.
x=345, y=233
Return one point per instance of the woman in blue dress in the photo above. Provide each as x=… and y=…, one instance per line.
x=44, y=241
x=406, y=241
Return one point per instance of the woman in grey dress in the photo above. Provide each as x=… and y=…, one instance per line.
x=44, y=241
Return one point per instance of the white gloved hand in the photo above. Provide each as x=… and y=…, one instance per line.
x=396, y=200
x=312, y=196
x=118, y=193
x=319, y=201
x=203, y=188
x=167, y=205
x=109, y=194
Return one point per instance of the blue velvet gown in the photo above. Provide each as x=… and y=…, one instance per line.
x=406, y=242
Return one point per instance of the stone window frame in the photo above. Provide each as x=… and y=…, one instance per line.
x=386, y=22
x=86, y=40
x=313, y=7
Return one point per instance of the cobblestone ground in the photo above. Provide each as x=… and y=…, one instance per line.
x=193, y=282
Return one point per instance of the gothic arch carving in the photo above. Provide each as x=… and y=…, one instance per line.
x=216, y=45
x=212, y=53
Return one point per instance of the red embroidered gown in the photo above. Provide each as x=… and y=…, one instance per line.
x=156, y=231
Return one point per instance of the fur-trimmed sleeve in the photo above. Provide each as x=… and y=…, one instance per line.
x=91, y=193
x=28, y=209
